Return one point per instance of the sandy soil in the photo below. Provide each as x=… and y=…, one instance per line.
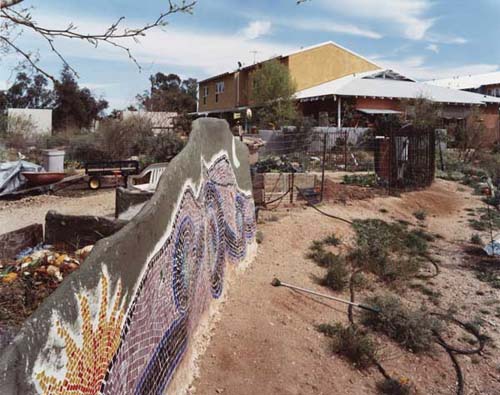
x=265, y=342
x=15, y=214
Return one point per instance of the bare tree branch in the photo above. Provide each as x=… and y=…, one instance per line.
x=111, y=36
x=9, y=3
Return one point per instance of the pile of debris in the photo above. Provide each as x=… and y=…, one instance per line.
x=28, y=279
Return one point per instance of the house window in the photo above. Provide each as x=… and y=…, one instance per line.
x=219, y=88
x=205, y=94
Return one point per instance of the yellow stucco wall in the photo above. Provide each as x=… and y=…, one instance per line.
x=227, y=99
x=308, y=68
x=325, y=63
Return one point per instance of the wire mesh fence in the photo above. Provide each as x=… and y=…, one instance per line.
x=394, y=158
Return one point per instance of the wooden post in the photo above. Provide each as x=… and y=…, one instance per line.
x=292, y=186
x=323, y=168
x=345, y=150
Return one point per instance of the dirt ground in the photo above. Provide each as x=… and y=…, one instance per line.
x=266, y=342
x=15, y=214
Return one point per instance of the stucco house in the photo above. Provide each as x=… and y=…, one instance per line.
x=330, y=78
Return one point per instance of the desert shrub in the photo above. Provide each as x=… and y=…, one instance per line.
x=388, y=250
x=476, y=239
x=393, y=387
x=421, y=215
x=85, y=148
x=412, y=329
x=316, y=251
x=259, y=237
x=336, y=276
x=163, y=147
x=122, y=139
x=332, y=240
x=19, y=133
x=351, y=342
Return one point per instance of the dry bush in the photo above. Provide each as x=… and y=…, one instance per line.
x=393, y=387
x=332, y=240
x=412, y=329
x=388, y=250
x=19, y=133
x=351, y=342
x=122, y=139
x=337, y=275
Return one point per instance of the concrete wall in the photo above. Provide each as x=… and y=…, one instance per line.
x=41, y=119
x=127, y=321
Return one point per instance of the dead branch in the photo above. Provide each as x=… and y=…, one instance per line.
x=111, y=36
x=9, y=3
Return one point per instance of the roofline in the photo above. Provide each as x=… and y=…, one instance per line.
x=287, y=55
x=330, y=42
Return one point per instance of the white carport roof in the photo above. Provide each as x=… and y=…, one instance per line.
x=469, y=81
x=387, y=84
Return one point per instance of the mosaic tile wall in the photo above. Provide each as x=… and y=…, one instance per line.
x=124, y=327
x=212, y=228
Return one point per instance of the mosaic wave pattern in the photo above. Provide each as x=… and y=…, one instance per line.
x=212, y=228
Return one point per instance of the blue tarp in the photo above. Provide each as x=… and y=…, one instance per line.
x=11, y=179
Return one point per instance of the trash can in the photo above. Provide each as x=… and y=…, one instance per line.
x=53, y=160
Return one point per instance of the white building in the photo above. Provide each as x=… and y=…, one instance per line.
x=39, y=121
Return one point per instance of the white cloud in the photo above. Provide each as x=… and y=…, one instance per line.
x=205, y=52
x=445, y=39
x=409, y=16
x=332, y=27
x=256, y=29
x=433, y=48
x=416, y=67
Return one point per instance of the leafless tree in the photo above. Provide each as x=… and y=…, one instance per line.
x=16, y=19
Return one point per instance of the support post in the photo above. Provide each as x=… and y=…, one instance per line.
x=323, y=167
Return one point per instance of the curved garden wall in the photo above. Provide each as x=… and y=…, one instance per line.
x=126, y=321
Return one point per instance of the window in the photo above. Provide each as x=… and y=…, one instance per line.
x=205, y=94
x=219, y=88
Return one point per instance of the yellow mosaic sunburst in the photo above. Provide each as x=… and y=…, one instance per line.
x=88, y=363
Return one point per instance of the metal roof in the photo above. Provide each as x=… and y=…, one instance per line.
x=468, y=81
x=390, y=85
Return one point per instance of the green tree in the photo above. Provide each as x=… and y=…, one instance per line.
x=75, y=107
x=272, y=93
x=27, y=92
x=169, y=93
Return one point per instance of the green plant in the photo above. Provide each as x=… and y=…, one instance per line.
x=388, y=250
x=363, y=180
x=332, y=240
x=413, y=329
x=351, y=342
x=273, y=89
x=421, y=215
x=336, y=276
x=476, y=239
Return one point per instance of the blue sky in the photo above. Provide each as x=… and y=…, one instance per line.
x=424, y=39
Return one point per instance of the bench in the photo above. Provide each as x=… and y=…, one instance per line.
x=152, y=173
